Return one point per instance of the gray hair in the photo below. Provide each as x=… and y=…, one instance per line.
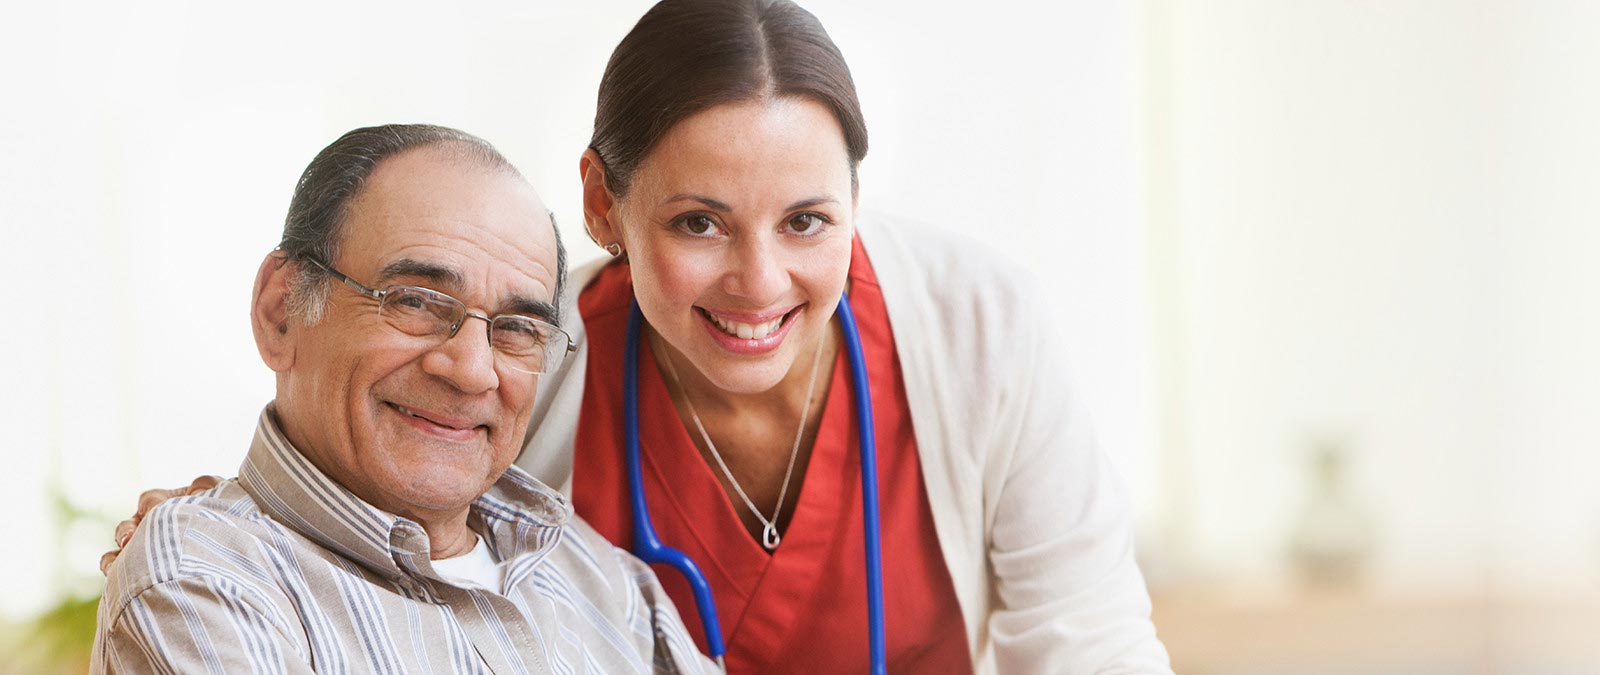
x=314, y=227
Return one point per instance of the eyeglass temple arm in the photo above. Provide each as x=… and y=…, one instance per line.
x=371, y=293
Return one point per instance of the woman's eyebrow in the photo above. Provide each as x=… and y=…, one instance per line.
x=810, y=202
x=707, y=201
x=719, y=206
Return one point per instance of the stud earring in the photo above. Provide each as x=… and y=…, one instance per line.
x=614, y=249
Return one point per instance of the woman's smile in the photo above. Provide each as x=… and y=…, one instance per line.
x=746, y=332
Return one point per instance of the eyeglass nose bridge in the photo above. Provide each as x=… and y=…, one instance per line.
x=456, y=327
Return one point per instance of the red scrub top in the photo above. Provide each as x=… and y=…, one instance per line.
x=803, y=608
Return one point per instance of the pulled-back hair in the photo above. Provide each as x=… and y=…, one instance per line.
x=317, y=212
x=686, y=56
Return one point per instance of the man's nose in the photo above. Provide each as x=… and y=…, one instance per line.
x=465, y=359
x=758, y=272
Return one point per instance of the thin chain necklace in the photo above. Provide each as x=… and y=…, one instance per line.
x=769, y=527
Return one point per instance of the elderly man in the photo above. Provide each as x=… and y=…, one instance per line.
x=377, y=524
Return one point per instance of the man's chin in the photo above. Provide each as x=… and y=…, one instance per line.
x=436, y=483
x=442, y=495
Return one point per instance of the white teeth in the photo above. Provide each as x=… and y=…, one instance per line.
x=746, y=331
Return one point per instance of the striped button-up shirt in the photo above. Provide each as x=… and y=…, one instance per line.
x=282, y=570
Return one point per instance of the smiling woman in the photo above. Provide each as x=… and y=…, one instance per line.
x=740, y=222
x=722, y=176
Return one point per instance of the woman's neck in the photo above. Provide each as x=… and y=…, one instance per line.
x=786, y=398
x=761, y=441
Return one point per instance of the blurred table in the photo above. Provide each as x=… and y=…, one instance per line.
x=1327, y=631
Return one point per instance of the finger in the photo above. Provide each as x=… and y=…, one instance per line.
x=148, y=500
x=106, y=560
x=204, y=483
x=124, y=532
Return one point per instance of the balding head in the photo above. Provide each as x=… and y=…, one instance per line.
x=314, y=227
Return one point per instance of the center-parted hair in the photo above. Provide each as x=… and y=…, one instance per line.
x=685, y=56
x=317, y=212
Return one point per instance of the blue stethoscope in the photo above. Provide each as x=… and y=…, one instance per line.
x=648, y=547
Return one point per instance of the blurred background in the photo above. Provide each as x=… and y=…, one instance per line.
x=1324, y=266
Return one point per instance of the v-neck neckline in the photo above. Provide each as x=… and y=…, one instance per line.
x=670, y=452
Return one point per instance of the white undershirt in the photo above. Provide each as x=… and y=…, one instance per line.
x=475, y=568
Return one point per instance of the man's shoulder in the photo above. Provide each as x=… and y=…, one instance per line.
x=577, y=538
x=586, y=559
x=220, y=532
x=613, y=582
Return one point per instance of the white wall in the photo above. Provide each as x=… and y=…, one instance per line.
x=1383, y=219
x=150, y=151
x=1547, y=517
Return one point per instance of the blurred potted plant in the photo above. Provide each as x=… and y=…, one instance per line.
x=61, y=638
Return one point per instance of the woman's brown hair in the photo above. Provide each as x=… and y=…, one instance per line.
x=686, y=56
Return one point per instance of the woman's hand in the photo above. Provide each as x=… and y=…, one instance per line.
x=148, y=500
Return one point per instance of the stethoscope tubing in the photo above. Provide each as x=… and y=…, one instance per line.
x=646, y=544
x=648, y=547
x=869, y=486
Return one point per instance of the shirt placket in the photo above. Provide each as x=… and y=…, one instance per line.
x=498, y=630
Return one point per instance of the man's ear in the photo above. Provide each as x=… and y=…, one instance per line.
x=598, y=202
x=269, y=311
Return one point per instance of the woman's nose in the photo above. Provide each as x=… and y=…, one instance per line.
x=758, y=272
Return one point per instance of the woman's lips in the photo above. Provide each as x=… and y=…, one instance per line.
x=748, y=333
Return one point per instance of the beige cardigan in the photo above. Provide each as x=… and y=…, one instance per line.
x=1033, y=522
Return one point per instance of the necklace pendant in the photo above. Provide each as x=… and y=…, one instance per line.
x=769, y=537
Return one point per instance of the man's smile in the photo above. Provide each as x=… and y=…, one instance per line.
x=438, y=424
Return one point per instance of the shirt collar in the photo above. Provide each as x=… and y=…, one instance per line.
x=517, y=516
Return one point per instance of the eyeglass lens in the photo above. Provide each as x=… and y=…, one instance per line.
x=528, y=345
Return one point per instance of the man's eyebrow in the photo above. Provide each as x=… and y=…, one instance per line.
x=448, y=277
x=707, y=201
x=524, y=305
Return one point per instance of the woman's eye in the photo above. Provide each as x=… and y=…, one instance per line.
x=698, y=225
x=807, y=223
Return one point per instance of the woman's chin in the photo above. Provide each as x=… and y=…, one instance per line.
x=746, y=377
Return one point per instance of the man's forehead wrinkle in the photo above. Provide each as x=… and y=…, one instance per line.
x=499, y=244
x=512, y=280
x=529, y=245
x=530, y=235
